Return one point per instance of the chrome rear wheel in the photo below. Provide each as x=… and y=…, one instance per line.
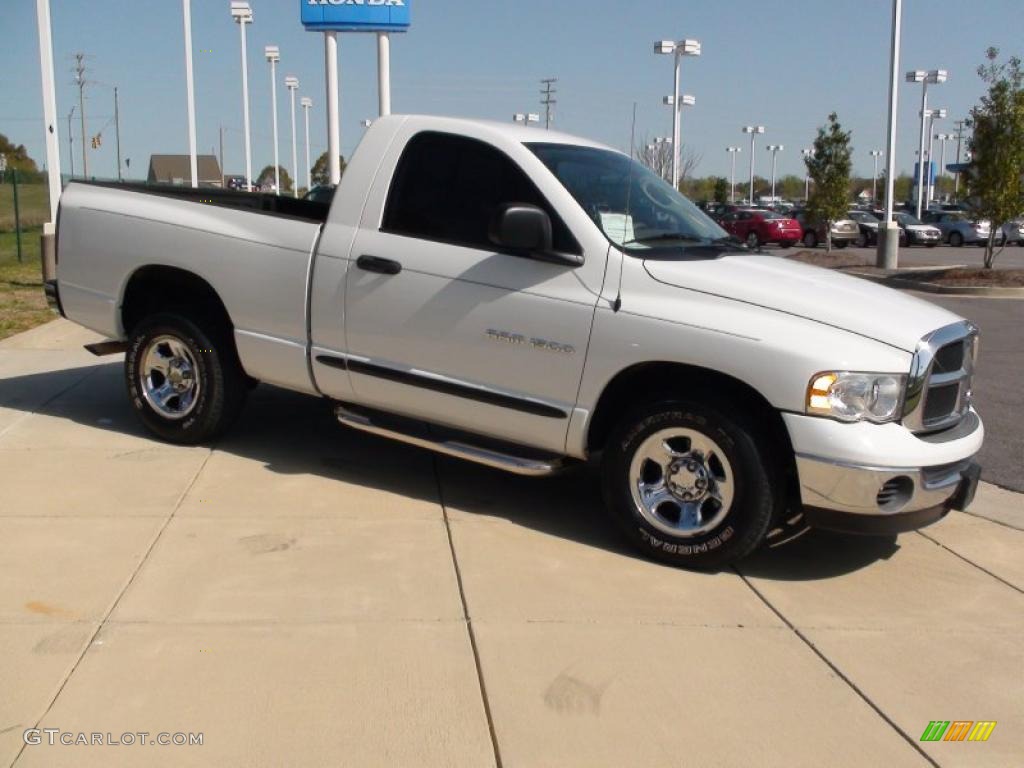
x=168, y=377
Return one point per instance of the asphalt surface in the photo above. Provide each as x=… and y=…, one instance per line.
x=999, y=382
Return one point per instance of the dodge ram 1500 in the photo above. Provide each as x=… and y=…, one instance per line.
x=528, y=299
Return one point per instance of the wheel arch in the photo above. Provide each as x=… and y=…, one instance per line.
x=158, y=287
x=644, y=382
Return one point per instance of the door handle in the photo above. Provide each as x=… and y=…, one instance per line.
x=378, y=264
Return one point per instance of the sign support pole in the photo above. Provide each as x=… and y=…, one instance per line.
x=333, y=121
x=384, y=72
x=186, y=7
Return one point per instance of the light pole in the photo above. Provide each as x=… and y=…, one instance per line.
x=733, y=151
x=71, y=142
x=193, y=160
x=292, y=84
x=887, y=254
x=678, y=50
x=875, y=154
x=525, y=118
x=933, y=115
x=807, y=174
x=50, y=118
x=942, y=138
x=384, y=73
x=307, y=104
x=753, y=130
x=934, y=76
x=242, y=15
x=685, y=100
x=273, y=54
x=774, y=149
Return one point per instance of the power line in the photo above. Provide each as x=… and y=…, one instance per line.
x=547, y=101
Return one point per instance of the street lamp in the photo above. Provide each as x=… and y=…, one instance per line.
x=774, y=149
x=733, y=151
x=678, y=50
x=942, y=138
x=875, y=154
x=242, y=15
x=933, y=115
x=807, y=174
x=292, y=84
x=273, y=55
x=526, y=118
x=307, y=104
x=934, y=76
x=753, y=130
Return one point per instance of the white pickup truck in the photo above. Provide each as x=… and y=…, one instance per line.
x=528, y=299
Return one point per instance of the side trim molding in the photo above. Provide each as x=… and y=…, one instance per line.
x=444, y=387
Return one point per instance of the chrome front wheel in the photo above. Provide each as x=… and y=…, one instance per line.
x=681, y=481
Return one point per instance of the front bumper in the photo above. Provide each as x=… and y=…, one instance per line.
x=883, y=478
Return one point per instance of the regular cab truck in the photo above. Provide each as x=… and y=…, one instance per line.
x=527, y=299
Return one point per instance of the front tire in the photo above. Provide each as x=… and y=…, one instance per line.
x=956, y=239
x=753, y=240
x=810, y=239
x=687, y=485
x=184, y=379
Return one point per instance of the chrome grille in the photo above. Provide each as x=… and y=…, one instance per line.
x=939, y=387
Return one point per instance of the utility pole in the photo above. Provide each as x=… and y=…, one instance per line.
x=959, y=137
x=117, y=134
x=547, y=101
x=220, y=131
x=80, y=82
x=71, y=142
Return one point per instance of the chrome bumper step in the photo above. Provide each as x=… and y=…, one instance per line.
x=457, y=448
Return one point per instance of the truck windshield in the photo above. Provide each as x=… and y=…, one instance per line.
x=635, y=208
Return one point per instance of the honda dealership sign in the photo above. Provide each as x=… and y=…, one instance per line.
x=356, y=15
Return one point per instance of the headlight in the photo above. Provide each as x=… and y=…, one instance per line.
x=850, y=396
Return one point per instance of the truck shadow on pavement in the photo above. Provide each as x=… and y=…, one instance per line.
x=292, y=434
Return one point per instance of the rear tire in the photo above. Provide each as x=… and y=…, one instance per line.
x=183, y=377
x=862, y=240
x=687, y=484
x=956, y=239
x=810, y=239
x=753, y=241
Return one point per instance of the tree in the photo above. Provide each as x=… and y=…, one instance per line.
x=658, y=157
x=790, y=187
x=721, y=193
x=829, y=169
x=17, y=158
x=266, y=178
x=996, y=179
x=322, y=173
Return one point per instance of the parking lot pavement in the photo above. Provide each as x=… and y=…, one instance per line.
x=1012, y=256
x=306, y=595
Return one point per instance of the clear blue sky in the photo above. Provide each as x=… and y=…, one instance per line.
x=785, y=65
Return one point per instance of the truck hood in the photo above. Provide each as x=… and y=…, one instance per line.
x=822, y=295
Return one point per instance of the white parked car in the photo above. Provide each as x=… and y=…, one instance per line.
x=527, y=300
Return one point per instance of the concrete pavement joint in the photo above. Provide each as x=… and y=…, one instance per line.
x=465, y=613
x=839, y=673
x=117, y=599
x=981, y=568
x=991, y=520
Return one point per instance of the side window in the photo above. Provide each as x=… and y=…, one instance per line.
x=449, y=187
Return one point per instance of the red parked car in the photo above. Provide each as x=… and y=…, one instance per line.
x=756, y=227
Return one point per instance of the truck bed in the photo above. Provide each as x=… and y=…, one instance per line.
x=257, y=202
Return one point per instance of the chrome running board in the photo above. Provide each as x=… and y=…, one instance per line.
x=520, y=465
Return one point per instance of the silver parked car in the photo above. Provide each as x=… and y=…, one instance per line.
x=958, y=228
x=1013, y=232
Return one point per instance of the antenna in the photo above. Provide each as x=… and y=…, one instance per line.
x=617, y=304
x=547, y=101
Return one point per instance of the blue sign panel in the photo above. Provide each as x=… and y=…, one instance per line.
x=929, y=173
x=356, y=15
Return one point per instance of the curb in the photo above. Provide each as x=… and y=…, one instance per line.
x=994, y=292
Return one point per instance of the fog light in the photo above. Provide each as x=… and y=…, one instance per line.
x=895, y=493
